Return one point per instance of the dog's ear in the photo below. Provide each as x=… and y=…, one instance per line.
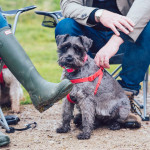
x=61, y=39
x=87, y=43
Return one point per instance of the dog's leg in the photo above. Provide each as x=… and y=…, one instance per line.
x=124, y=111
x=123, y=114
x=88, y=116
x=15, y=96
x=78, y=120
x=15, y=92
x=115, y=125
x=97, y=123
x=67, y=116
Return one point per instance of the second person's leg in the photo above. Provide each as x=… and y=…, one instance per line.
x=43, y=94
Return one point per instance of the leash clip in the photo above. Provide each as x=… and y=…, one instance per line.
x=31, y=125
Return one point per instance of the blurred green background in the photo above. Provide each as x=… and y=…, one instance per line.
x=38, y=41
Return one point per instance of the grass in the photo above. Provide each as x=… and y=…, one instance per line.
x=38, y=41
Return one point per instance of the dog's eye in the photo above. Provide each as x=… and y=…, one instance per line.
x=78, y=51
x=64, y=49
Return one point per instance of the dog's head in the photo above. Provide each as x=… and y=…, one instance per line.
x=72, y=50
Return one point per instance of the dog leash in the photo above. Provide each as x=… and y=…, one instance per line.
x=28, y=126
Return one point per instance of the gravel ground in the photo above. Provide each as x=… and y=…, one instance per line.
x=44, y=137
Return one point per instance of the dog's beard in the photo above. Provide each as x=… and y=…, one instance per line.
x=75, y=64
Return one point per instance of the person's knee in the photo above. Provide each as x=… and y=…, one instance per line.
x=3, y=22
x=67, y=26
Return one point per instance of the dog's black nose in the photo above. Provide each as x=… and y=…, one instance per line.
x=69, y=58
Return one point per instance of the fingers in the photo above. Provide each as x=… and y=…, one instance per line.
x=102, y=61
x=97, y=60
x=126, y=25
x=121, y=27
x=123, y=23
x=106, y=63
x=129, y=21
x=113, y=28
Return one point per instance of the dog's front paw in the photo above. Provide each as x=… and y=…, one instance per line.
x=15, y=111
x=62, y=130
x=84, y=136
x=115, y=126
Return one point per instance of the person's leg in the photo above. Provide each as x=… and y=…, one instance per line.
x=136, y=61
x=71, y=27
x=43, y=94
x=3, y=22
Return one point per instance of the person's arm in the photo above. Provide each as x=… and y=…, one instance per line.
x=110, y=49
x=137, y=18
x=115, y=22
x=139, y=13
x=75, y=9
x=91, y=20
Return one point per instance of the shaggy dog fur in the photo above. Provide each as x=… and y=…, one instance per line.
x=11, y=91
x=110, y=104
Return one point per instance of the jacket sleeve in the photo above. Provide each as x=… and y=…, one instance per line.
x=139, y=13
x=75, y=9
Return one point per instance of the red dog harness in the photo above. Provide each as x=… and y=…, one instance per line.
x=91, y=78
x=1, y=74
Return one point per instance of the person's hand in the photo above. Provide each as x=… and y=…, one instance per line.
x=105, y=53
x=115, y=21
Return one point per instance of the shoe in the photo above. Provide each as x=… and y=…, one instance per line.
x=4, y=139
x=134, y=118
x=134, y=107
x=133, y=121
x=43, y=94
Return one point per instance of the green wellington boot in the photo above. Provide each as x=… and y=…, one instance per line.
x=43, y=94
x=4, y=139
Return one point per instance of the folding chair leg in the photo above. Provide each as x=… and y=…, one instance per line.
x=3, y=121
x=145, y=90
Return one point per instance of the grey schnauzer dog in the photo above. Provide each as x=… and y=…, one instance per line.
x=108, y=104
